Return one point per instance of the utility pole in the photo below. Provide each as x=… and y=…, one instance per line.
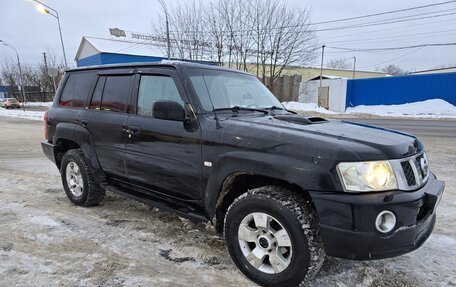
x=162, y=3
x=167, y=36
x=354, y=67
x=22, y=81
x=321, y=68
x=45, y=63
x=47, y=71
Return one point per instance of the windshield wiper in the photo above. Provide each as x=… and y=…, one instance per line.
x=238, y=108
x=278, y=108
x=273, y=108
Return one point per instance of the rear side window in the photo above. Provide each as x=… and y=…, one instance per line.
x=156, y=88
x=116, y=94
x=76, y=90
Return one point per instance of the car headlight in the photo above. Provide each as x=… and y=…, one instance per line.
x=367, y=176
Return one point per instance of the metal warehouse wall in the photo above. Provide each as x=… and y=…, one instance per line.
x=401, y=89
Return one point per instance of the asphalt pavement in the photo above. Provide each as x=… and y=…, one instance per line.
x=418, y=127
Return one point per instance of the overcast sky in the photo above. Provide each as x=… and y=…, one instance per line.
x=33, y=33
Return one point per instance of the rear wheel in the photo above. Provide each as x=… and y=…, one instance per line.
x=78, y=181
x=272, y=236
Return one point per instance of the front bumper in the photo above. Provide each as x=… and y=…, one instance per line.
x=347, y=221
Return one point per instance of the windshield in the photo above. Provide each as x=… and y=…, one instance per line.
x=11, y=100
x=229, y=89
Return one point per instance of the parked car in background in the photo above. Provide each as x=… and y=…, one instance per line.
x=10, y=103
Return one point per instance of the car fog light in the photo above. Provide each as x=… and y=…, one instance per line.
x=385, y=221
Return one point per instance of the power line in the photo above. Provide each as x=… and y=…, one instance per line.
x=385, y=13
x=359, y=25
x=398, y=30
x=382, y=23
x=394, y=48
x=393, y=59
x=402, y=36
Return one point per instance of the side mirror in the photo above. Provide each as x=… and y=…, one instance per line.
x=169, y=110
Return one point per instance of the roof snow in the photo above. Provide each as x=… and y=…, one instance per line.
x=90, y=46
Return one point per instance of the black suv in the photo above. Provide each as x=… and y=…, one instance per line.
x=213, y=144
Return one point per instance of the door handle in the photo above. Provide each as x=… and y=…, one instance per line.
x=82, y=122
x=132, y=131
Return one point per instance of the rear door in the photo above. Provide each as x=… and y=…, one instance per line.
x=106, y=117
x=163, y=156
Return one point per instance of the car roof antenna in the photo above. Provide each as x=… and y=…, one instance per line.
x=217, y=122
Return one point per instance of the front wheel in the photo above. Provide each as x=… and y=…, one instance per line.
x=272, y=236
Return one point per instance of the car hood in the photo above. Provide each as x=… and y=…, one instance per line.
x=368, y=142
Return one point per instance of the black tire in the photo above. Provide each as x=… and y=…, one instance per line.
x=92, y=192
x=299, y=220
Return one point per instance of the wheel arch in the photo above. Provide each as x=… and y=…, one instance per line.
x=71, y=136
x=239, y=183
x=235, y=175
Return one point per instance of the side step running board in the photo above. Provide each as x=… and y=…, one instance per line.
x=180, y=210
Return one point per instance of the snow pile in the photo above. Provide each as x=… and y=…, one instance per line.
x=38, y=104
x=306, y=107
x=19, y=113
x=435, y=108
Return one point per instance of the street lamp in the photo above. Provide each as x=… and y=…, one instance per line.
x=162, y=3
x=20, y=71
x=45, y=9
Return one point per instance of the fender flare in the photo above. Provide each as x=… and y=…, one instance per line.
x=81, y=137
x=307, y=175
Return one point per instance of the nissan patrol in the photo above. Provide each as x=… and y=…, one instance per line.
x=214, y=144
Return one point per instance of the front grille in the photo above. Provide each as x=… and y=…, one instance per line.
x=409, y=174
x=415, y=171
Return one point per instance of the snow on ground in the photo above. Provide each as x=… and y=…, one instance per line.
x=38, y=104
x=435, y=108
x=47, y=241
x=306, y=107
x=19, y=113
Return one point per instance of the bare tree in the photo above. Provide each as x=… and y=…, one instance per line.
x=35, y=78
x=291, y=42
x=394, y=70
x=9, y=73
x=46, y=81
x=338, y=64
x=261, y=35
x=215, y=31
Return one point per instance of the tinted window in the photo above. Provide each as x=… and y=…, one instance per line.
x=156, y=88
x=116, y=93
x=76, y=90
x=97, y=94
